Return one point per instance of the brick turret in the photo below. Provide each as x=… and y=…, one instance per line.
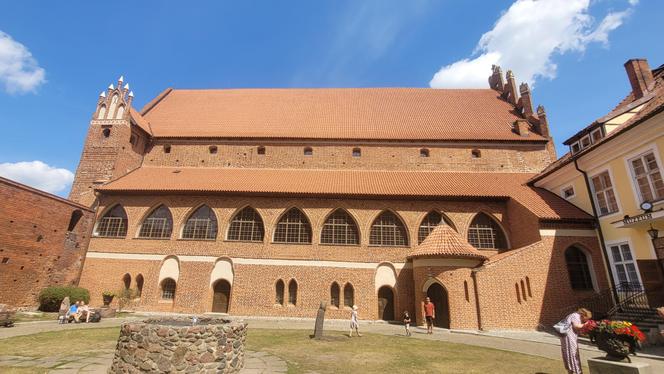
x=113, y=146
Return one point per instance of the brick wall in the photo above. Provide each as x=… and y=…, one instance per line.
x=336, y=155
x=36, y=247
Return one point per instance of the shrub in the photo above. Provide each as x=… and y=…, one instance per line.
x=51, y=297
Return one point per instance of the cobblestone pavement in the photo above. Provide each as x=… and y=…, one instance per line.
x=254, y=363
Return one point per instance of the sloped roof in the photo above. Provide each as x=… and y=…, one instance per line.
x=336, y=113
x=443, y=241
x=362, y=183
x=140, y=121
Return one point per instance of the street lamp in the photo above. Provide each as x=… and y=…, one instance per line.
x=653, y=232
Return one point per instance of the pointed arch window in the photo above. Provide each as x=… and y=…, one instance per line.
x=292, y=292
x=430, y=222
x=201, y=225
x=102, y=112
x=388, y=230
x=158, y=225
x=247, y=226
x=113, y=224
x=485, y=233
x=579, y=271
x=334, y=294
x=139, y=285
x=293, y=227
x=279, y=292
x=349, y=295
x=340, y=228
x=126, y=281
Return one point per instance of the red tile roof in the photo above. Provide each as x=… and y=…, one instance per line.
x=335, y=113
x=443, y=241
x=363, y=183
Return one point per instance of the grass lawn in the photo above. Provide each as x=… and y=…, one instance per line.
x=339, y=354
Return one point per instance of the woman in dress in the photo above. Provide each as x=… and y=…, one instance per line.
x=569, y=341
x=353, y=322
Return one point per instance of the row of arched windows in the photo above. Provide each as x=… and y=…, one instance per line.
x=293, y=226
x=279, y=292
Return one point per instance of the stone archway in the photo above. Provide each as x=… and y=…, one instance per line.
x=222, y=296
x=438, y=296
x=386, y=303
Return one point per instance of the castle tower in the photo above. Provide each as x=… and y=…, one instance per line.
x=113, y=146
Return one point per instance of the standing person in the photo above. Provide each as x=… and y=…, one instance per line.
x=429, y=314
x=569, y=340
x=353, y=322
x=406, y=322
x=64, y=309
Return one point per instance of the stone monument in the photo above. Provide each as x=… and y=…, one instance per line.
x=320, y=320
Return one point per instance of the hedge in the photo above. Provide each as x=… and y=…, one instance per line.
x=51, y=297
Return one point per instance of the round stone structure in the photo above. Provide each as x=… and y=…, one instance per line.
x=180, y=345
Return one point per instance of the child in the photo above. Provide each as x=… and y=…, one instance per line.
x=353, y=322
x=406, y=321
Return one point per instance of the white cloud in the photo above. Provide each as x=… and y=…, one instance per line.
x=526, y=37
x=19, y=71
x=38, y=175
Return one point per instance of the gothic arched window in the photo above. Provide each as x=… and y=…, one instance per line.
x=168, y=287
x=293, y=227
x=579, y=271
x=349, y=295
x=158, y=224
x=279, y=292
x=113, y=224
x=201, y=225
x=292, y=292
x=247, y=226
x=339, y=228
x=430, y=222
x=388, y=230
x=485, y=233
x=334, y=294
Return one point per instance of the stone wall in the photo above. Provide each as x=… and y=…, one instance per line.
x=176, y=346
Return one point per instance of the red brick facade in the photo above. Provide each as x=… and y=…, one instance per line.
x=480, y=293
x=43, y=241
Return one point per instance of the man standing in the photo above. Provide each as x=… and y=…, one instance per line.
x=429, y=314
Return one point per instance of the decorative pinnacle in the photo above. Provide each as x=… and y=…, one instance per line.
x=131, y=93
x=121, y=79
x=111, y=87
x=540, y=109
x=126, y=86
x=102, y=94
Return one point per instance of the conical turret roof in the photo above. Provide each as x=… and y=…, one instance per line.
x=443, y=241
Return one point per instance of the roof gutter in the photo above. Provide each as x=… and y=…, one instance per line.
x=602, y=242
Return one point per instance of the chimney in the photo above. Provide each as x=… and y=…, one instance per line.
x=521, y=127
x=525, y=102
x=640, y=76
x=543, y=126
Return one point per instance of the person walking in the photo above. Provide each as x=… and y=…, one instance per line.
x=353, y=322
x=406, y=322
x=429, y=314
x=569, y=344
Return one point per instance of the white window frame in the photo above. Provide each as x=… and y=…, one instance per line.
x=578, y=145
x=562, y=192
x=651, y=148
x=592, y=134
x=589, y=142
x=615, y=193
x=612, y=263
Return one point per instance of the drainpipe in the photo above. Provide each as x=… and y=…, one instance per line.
x=473, y=274
x=599, y=229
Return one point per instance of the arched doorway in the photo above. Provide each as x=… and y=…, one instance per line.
x=222, y=296
x=438, y=296
x=386, y=303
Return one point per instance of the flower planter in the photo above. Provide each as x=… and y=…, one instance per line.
x=108, y=299
x=617, y=347
x=618, y=339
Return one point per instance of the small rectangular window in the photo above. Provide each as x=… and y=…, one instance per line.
x=261, y=150
x=357, y=152
x=647, y=177
x=568, y=192
x=596, y=135
x=575, y=147
x=585, y=142
x=605, y=197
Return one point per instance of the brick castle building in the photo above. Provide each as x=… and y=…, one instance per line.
x=269, y=201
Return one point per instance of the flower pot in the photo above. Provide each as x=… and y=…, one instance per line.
x=617, y=347
x=108, y=299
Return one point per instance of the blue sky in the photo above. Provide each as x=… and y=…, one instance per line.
x=55, y=57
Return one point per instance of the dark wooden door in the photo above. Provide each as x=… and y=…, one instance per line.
x=386, y=303
x=438, y=297
x=222, y=295
x=653, y=281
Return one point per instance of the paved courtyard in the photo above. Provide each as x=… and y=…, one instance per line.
x=531, y=343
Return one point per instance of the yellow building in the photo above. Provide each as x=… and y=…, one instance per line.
x=613, y=170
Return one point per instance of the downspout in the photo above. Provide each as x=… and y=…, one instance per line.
x=473, y=274
x=599, y=229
